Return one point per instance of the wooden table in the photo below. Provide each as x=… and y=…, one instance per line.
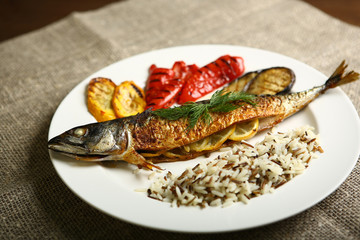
x=22, y=16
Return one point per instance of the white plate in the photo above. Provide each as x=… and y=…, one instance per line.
x=111, y=190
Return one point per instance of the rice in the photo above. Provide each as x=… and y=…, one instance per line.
x=241, y=172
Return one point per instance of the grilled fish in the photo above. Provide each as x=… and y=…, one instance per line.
x=125, y=138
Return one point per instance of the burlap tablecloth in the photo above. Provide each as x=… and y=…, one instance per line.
x=37, y=71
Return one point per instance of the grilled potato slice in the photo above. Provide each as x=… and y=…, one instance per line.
x=276, y=80
x=128, y=99
x=99, y=96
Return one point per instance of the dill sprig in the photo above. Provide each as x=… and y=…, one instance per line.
x=219, y=102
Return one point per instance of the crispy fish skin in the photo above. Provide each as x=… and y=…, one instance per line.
x=162, y=134
x=121, y=139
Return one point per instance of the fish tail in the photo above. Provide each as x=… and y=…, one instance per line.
x=340, y=77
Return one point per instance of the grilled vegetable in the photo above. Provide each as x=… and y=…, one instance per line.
x=210, y=77
x=276, y=80
x=128, y=99
x=99, y=96
x=164, y=85
x=240, y=83
x=123, y=138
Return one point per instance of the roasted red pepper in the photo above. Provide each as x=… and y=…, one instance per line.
x=164, y=85
x=210, y=77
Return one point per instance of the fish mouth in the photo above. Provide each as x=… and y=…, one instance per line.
x=77, y=152
x=79, y=156
x=58, y=144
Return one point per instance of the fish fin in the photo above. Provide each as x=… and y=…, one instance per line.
x=133, y=157
x=339, y=77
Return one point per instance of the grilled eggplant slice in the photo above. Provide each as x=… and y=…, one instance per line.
x=276, y=80
x=240, y=83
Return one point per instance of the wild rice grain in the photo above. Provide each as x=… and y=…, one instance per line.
x=244, y=172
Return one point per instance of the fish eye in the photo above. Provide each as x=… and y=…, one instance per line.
x=79, y=132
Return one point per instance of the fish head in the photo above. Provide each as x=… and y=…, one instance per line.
x=91, y=142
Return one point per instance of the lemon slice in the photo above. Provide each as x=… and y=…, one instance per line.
x=175, y=153
x=151, y=154
x=245, y=130
x=197, y=146
x=237, y=132
x=211, y=142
